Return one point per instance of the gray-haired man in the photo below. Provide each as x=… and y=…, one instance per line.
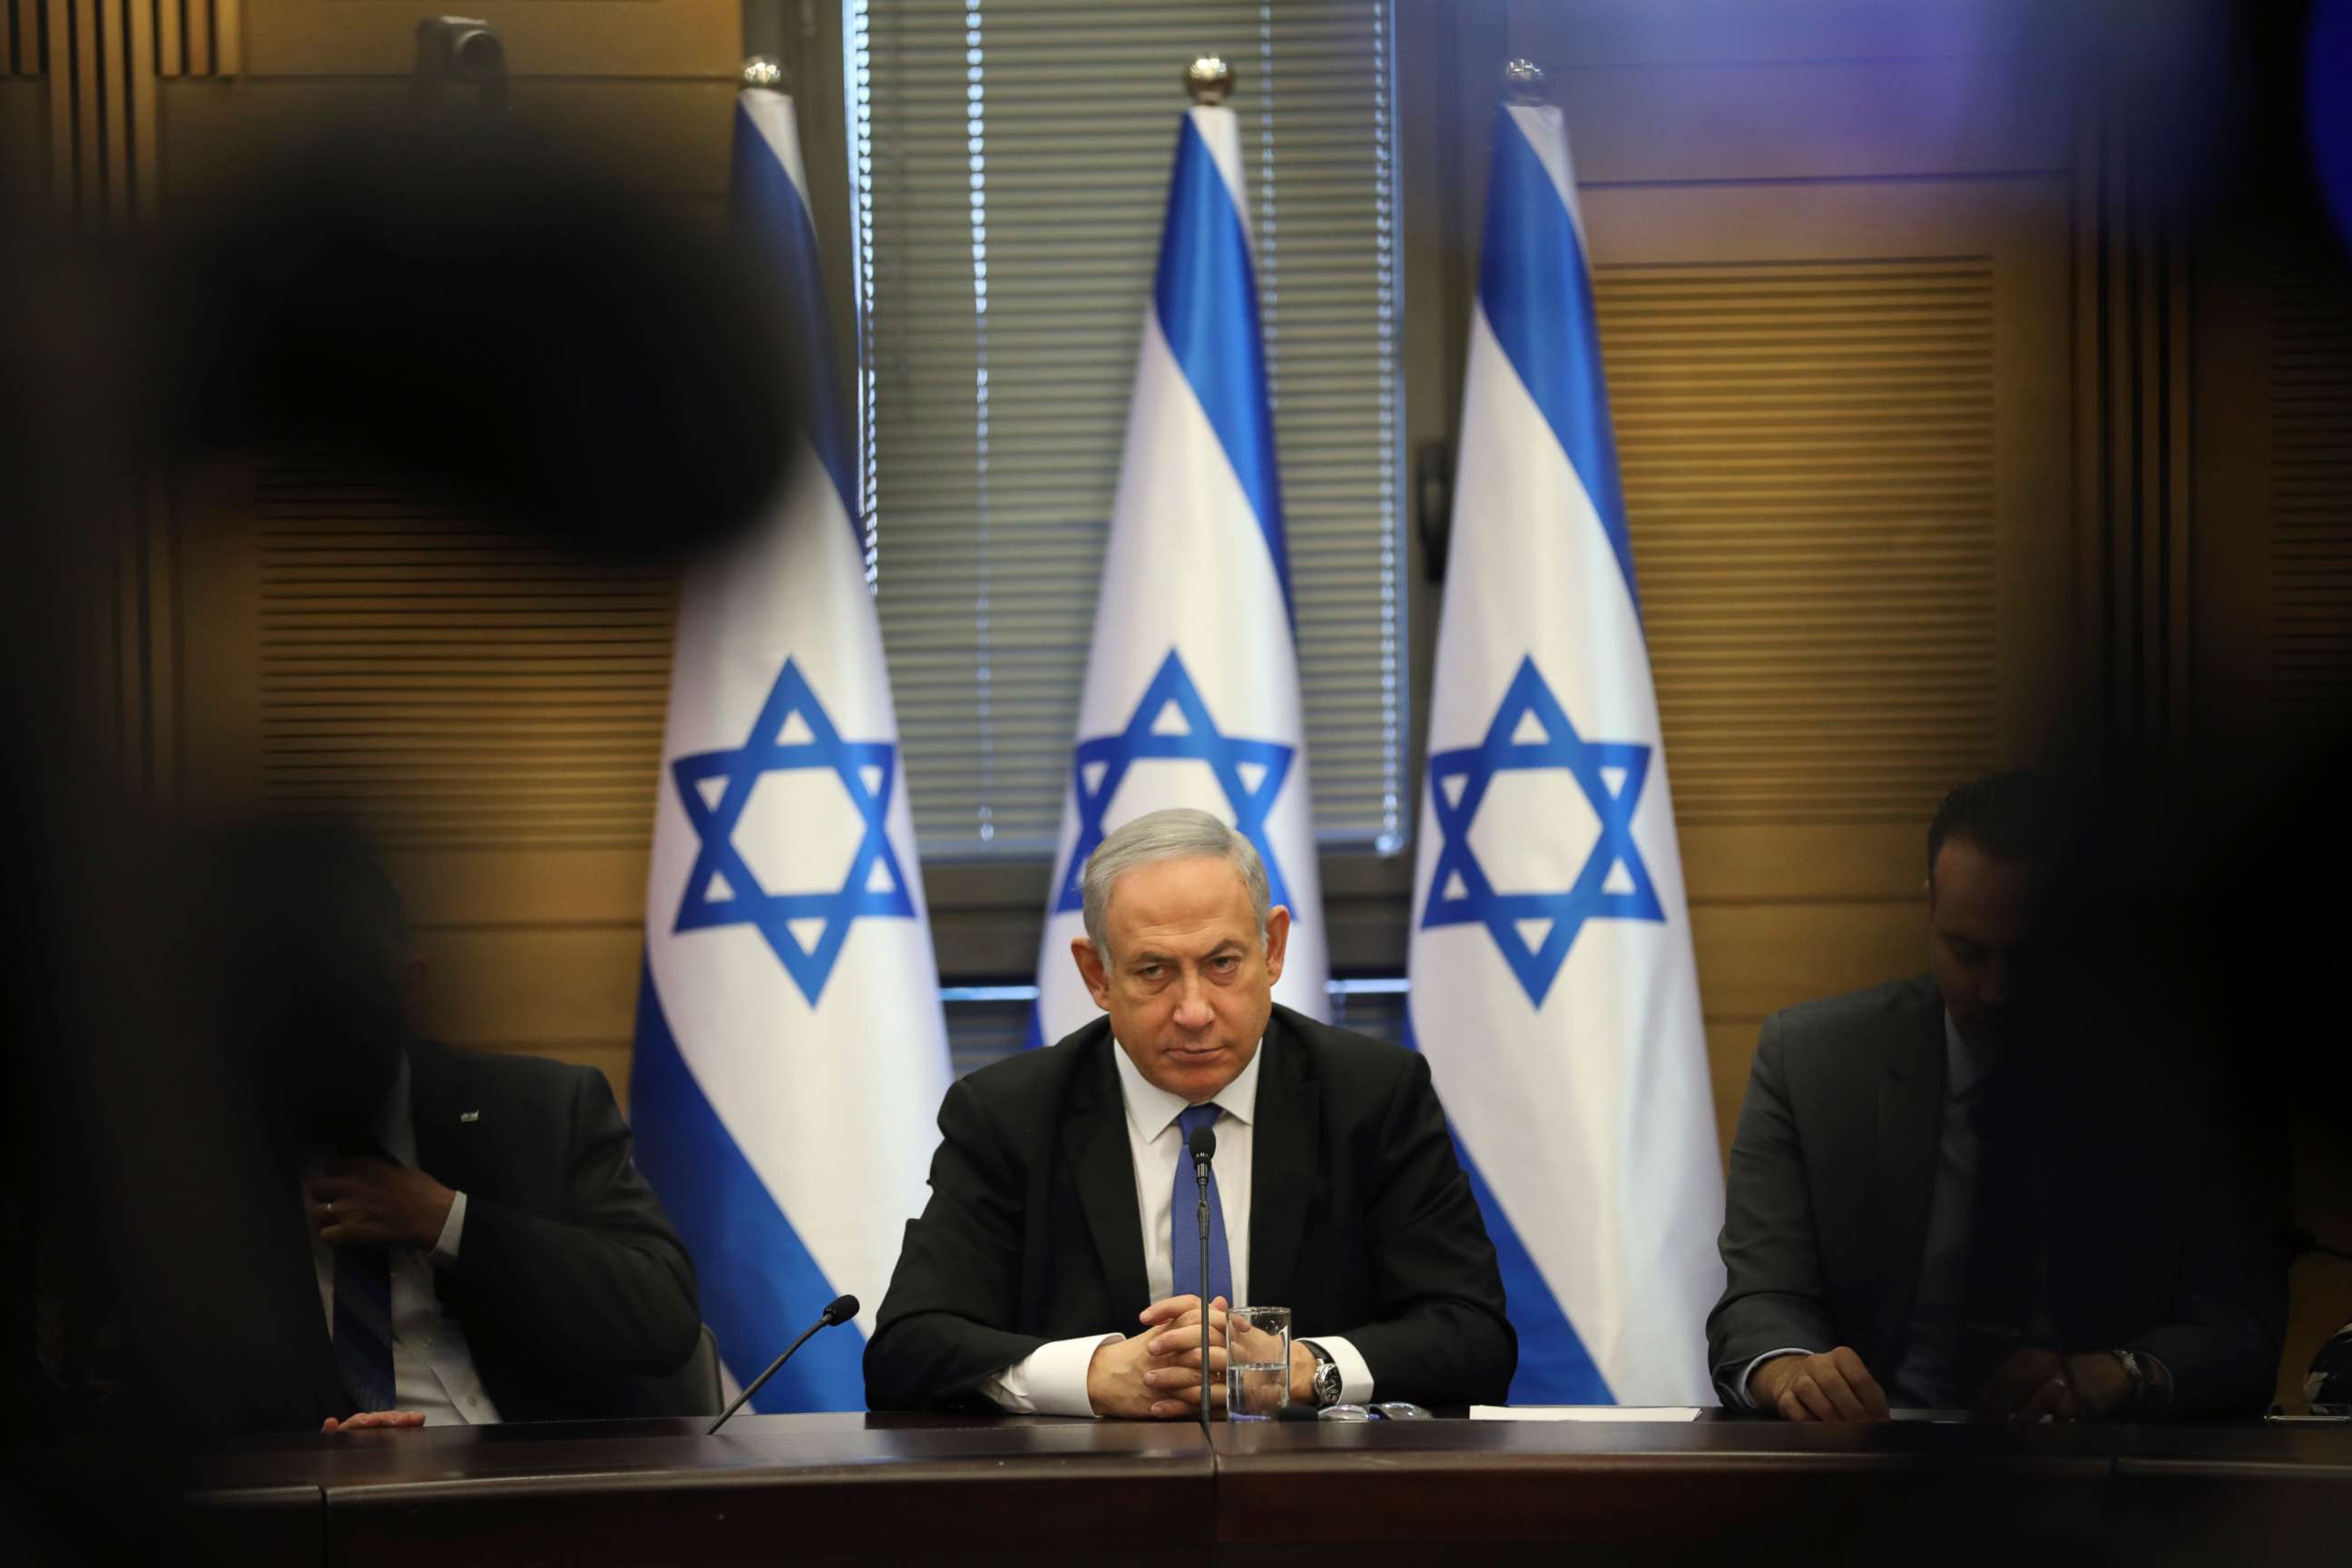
x=1046, y=1275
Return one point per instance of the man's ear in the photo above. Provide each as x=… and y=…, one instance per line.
x=1278, y=940
x=1091, y=971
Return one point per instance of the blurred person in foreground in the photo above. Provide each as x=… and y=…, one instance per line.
x=1055, y=1269
x=480, y=1244
x=1983, y=1188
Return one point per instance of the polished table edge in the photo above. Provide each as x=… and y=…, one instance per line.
x=776, y=1449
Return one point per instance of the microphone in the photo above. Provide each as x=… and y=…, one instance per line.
x=842, y=1309
x=1203, y=1144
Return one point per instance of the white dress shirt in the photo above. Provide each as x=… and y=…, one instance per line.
x=1922, y=1375
x=433, y=1369
x=1051, y=1379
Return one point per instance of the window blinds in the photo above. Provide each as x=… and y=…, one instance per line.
x=1012, y=162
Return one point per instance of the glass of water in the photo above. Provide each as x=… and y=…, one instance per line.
x=1257, y=1363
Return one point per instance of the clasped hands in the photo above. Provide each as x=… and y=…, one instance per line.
x=1156, y=1374
x=2031, y=1384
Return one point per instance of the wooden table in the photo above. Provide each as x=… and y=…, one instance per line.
x=767, y=1487
x=849, y=1487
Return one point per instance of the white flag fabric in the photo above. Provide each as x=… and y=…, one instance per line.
x=790, y=1052
x=1553, y=988
x=1192, y=693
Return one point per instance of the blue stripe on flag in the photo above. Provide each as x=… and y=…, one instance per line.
x=1206, y=295
x=1554, y=1366
x=766, y=209
x=760, y=1284
x=1538, y=297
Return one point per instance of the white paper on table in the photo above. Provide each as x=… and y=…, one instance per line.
x=1584, y=1412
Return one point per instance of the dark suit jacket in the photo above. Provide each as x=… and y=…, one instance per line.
x=569, y=1280
x=2159, y=1237
x=1361, y=1222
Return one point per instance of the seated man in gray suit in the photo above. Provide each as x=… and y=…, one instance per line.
x=1976, y=1189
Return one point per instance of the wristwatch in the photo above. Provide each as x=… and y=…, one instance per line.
x=1326, y=1380
x=2148, y=1392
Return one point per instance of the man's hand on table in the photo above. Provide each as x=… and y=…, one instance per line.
x=1832, y=1386
x=368, y=1418
x=1302, y=1374
x=2032, y=1383
x=1156, y=1374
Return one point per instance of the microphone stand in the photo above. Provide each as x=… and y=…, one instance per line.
x=1201, y=1175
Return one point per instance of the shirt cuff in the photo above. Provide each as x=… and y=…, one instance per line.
x=1355, y=1376
x=1736, y=1393
x=1049, y=1381
x=452, y=1232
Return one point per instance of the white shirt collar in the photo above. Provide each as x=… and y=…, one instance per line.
x=1151, y=1108
x=1961, y=1073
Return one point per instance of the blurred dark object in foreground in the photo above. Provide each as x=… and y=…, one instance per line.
x=466, y=306
x=454, y=303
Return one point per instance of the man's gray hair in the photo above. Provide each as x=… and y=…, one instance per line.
x=1177, y=834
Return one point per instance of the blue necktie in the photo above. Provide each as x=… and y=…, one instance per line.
x=363, y=1310
x=1184, y=1220
x=363, y=1325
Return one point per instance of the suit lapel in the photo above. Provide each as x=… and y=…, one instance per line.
x=1910, y=1142
x=1285, y=1144
x=439, y=1097
x=314, y=1342
x=1094, y=1142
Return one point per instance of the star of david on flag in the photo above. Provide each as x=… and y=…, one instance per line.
x=1173, y=723
x=1532, y=731
x=792, y=732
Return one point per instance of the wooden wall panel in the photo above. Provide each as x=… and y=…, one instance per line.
x=1809, y=450
x=452, y=687
x=2309, y=404
x=20, y=38
x=23, y=138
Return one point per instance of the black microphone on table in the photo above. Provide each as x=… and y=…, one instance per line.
x=842, y=1309
x=1203, y=1144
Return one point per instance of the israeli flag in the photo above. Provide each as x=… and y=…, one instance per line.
x=1192, y=695
x=1553, y=987
x=790, y=1051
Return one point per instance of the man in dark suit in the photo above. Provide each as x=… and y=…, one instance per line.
x=482, y=1246
x=1976, y=1188
x=1062, y=1210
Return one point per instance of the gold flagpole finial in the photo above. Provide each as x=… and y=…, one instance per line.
x=1209, y=81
